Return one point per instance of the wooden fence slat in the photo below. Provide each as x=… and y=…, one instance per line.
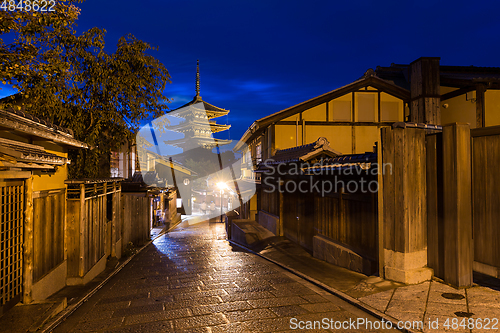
x=457, y=205
x=433, y=205
x=388, y=187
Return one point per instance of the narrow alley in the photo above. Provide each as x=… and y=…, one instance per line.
x=193, y=280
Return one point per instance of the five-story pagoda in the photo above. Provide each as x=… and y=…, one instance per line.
x=198, y=126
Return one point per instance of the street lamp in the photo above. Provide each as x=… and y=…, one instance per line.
x=221, y=186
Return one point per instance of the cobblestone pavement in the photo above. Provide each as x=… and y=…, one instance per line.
x=193, y=280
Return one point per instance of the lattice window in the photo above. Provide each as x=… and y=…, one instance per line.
x=11, y=240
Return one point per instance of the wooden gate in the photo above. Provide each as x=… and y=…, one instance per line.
x=463, y=196
x=449, y=218
x=11, y=243
x=486, y=199
x=298, y=218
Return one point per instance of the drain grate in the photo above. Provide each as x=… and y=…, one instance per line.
x=464, y=314
x=452, y=296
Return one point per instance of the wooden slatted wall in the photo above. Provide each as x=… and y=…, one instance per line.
x=135, y=218
x=271, y=202
x=349, y=219
x=48, y=231
x=486, y=199
x=88, y=231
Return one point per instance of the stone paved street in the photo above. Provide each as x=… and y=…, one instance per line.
x=193, y=280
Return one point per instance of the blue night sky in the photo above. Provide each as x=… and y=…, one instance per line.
x=259, y=57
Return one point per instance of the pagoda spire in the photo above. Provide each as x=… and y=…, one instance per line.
x=197, y=78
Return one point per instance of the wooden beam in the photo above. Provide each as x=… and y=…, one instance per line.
x=456, y=93
x=480, y=90
x=28, y=242
x=485, y=131
x=337, y=123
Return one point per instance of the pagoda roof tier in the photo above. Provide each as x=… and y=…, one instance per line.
x=200, y=125
x=193, y=142
x=198, y=105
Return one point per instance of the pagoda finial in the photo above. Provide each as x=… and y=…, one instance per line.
x=197, y=78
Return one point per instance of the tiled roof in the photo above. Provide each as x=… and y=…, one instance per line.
x=206, y=106
x=293, y=154
x=15, y=154
x=399, y=74
x=363, y=161
x=30, y=125
x=352, y=158
x=148, y=177
x=42, y=122
x=24, y=152
x=17, y=99
x=304, y=152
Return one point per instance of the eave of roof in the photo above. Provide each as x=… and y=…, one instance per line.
x=199, y=139
x=209, y=108
x=198, y=124
x=26, y=165
x=27, y=153
x=174, y=165
x=32, y=127
x=93, y=180
x=453, y=76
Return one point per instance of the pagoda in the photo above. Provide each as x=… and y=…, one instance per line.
x=198, y=126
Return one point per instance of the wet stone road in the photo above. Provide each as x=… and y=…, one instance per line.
x=193, y=280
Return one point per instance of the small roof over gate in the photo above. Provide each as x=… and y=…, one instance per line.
x=305, y=152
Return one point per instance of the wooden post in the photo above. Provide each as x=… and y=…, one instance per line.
x=282, y=216
x=83, y=230
x=404, y=209
x=480, y=114
x=380, y=210
x=114, y=219
x=458, y=246
x=425, y=94
x=28, y=241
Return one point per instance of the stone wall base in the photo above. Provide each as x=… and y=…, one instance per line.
x=248, y=232
x=269, y=221
x=97, y=269
x=50, y=283
x=333, y=253
x=408, y=268
x=486, y=269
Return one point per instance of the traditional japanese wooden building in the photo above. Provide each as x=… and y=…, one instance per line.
x=33, y=168
x=198, y=125
x=437, y=127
